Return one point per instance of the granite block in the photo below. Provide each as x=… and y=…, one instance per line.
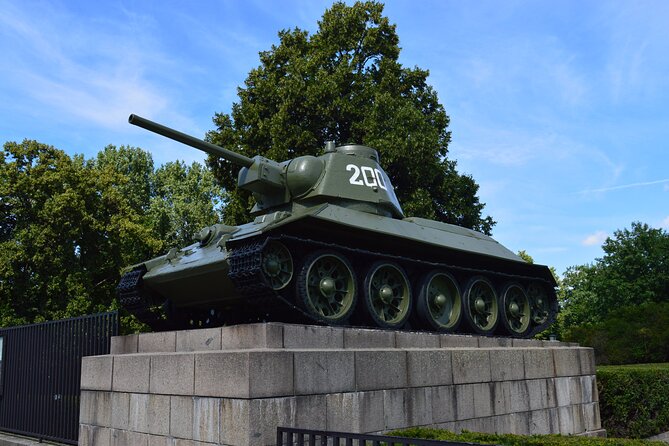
x=444, y=404
x=125, y=438
x=312, y=337
x=244, y=336
x=567, y=361
x=120, y=410
x=319, y=372
x=507, y=364
x=458, y=341
x=172, y=374
x=149, y=414
x=249, y=374
x=96, y=372
x=429, y=368
x=202, y=339
x=490, y=342
x=380, y=369
x=121, y=345
x=94, y=435
x=164, y=341
x=131, y=373
x=408, y=339
x=355, y=412
x=181, y=416
x=95, y=408
x=365, y=338
x=538, y=363
x=206, y=419
x=471, y=366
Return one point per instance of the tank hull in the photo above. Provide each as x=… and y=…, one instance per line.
x=223, y=284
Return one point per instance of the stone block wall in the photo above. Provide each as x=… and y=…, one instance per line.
x=235, y=385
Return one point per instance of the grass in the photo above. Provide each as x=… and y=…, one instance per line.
x=520, y=440
x=659, y=366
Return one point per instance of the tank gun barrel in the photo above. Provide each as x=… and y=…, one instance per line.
x=205, y=146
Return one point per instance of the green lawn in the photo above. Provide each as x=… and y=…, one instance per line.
x=660, y=366
x=521, y=440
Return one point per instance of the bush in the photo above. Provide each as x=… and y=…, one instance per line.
x=630, y=335
x=634, y=400
x=520, y=440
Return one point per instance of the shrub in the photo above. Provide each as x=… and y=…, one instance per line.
x=634, y=400
x=630, y=335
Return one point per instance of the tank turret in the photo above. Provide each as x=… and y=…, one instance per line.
x=329, y=244
x=349, y=175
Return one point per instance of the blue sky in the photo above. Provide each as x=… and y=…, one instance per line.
x=559, y=110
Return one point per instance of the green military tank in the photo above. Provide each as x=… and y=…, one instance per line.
x=329, y=244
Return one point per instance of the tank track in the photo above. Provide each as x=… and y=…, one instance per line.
x=136, y=301
x=246, y=271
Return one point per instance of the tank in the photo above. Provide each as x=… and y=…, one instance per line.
x=329, y=244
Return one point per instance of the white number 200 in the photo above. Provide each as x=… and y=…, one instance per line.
x=366, y=176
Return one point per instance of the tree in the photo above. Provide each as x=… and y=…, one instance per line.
x=185, y=200
x=633, y=271
x=344, y=83
x=69, y=226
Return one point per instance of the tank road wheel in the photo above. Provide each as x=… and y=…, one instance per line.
x=539, y=302
x=277, y=265
x=387, y=295
x=516, y=312
x=439, y=304
x=480, y=301
x=326, y=287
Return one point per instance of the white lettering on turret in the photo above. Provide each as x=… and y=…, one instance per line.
x=370, y=177
x=355, y=178
x=380, y=179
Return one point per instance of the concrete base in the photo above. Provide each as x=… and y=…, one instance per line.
x=235, y=385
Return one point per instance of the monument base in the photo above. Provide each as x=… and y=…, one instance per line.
x=235, y=385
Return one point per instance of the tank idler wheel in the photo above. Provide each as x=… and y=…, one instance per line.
x=539, y=303
x=277, y=265
x=387, y=295
x=481, y=309
x=439, y=303
x=326, y=287
x=516, y=312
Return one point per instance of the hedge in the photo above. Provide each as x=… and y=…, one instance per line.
x=630, y=335
x=634, y=399
x=520, y=440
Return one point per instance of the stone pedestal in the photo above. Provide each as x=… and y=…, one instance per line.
x=235, y=385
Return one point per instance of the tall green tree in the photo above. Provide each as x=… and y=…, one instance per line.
x=68, y=226
x=345, y=83
x=634, y=270
x=185, y=199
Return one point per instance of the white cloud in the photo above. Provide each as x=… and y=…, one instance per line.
x=597, y=238
x=96, y=72
x=665, y=223
x=628, y=186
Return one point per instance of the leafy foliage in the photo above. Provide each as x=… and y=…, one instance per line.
x=634, y=400
x=519, y=440
x=68, y=226
x=344, y=83
x=633, y=271
x=630, y=335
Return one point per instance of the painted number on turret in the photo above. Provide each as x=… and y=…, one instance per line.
x=366, y=176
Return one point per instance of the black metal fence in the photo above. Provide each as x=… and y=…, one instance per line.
x=288, y=436
x=40, y=371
